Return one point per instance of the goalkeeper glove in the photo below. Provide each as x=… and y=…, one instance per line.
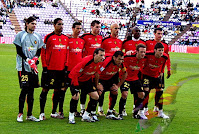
x=32, y=65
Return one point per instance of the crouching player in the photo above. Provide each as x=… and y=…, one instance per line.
x=81, y=78
x=109, y=80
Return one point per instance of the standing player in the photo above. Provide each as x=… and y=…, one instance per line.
x=81, y=78
x=75, y=47
x=110, y=44
x=129, y=46
x=150, y=44
x=153, y=76
x=28, y=44
x=134, y=63
x=53, y=61
x=92, y=41
x=109, y=79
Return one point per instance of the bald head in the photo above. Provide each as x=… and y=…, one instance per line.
x=114, y=30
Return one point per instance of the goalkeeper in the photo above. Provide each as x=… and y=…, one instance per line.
x=28, y=45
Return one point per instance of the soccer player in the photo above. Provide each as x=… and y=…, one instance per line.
x=153, y=76
x=129, y=46
x=75, y=47
x=54, y=57
x=110, y=44
x=92, y=41
x=82, y=78
x=109, y=80
x=28, y=45
x=150, y=44
x=133, y=82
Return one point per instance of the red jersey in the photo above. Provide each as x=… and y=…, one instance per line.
x=54, y=56
x=133, y=66
x=111, y=44
x=75, y=47
x=91, y=43
x=128, y=45
x=154, y=66
x=150, y=44
x=109, y=69
x=84, y=70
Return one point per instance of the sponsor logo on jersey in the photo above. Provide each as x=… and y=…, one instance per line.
x=110, y=42
x=76, y=50
x=71, y=42
x=95, y=45
x=90, y=73
x=54, y=38
x=134, y=67
x=111, y=73
x=115, y=42
x=31, y=48
x=153, y=66
x=59, y=39
x=60, y=46
x=115, y=49
x=95, y=39
x=76, y=42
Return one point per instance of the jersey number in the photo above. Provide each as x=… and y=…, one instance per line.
x=24, y=77
x=52, y=81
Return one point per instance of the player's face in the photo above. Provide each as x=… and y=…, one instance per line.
x=77, y=30
x=59, y=26
x=31, y=26
x=118, y=60
x=115, y=30
x=158, y=35
x=136, y=33
x=96, y=29
x=100, y=56
x=141, y=53
x=159, y=52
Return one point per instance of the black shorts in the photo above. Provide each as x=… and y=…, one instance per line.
x=152, y=82
x=134, y=86
x=107, y=84
x=53, y=79
x=86, y=87
x=28, y=79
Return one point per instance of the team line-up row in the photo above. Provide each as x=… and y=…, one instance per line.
x=93, y=66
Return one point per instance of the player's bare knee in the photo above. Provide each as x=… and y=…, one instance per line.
x=75, y=97
x=146, y=89
x=141, y=95
x=94, y=96
x=124, y=94
x=161, y=89
x=63, y=89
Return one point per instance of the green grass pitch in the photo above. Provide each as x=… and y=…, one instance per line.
x=181, y=103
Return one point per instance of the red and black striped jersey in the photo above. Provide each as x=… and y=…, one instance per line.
x=154, y=66
x=75, y=48
x=111, y=44
x=54, y=54
x=91, y=43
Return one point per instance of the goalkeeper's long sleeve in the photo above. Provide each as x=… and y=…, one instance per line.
x=20, y=52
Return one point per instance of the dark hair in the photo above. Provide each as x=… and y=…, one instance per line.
x=117, y=53
x=159, y=45
x=98, y=49
x=94, y=22
x=29, y=20
x=158, y=29
x=75, y=24
x=140, y=46
x=56, y=20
